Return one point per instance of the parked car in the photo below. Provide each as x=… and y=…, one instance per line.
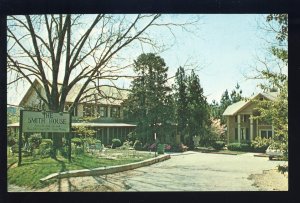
x=272, y=152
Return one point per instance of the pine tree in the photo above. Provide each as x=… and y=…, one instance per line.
x=236, y=94
x=150, y=102
x=198, y=109
x=181, y=102
x=224, y=103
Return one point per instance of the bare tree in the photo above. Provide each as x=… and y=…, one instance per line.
x=75, y=49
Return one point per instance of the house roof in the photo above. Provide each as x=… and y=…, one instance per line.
x=109, y=95
x=234, y=108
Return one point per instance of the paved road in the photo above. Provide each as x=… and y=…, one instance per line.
x=198, y=172
x=190, y=171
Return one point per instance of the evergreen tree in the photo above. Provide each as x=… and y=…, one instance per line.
x=224, y=103
x=236, y=94
x=150, y=102
x=198, y=109
x=215, y=110
x=226, y=100
x=180, y=95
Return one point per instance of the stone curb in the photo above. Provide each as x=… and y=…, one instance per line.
x=106, y=170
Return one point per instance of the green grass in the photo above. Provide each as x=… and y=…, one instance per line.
x=32, y=170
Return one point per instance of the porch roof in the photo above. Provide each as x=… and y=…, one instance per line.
x=104, y=124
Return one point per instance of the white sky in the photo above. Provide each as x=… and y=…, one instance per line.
x=223, y=48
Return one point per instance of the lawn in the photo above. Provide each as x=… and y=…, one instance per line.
x=32, y=170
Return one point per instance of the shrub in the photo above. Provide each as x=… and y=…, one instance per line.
x=132, y=136
x=49, y=142
x=79, y=150
x=246, y=147
x=152, y=147
x=11, y=141
x=138, y=145
x=116, y=143
x=240, y=147
x=161, y=149
x=179, y=148
x=261, y=144
x=15, y=148
x=168, y=147
x=77, y=141
x=218, y=145
x=90, y=140
x=35, y=140
x=45, y=148
x=234, y=147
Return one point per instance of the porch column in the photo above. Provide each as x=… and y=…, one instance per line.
x=107, y=134
x=251, y=129
x=239, y=128
x=108, y=111
x=228, y=130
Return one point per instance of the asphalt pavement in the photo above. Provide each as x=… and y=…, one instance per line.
x=194, y=171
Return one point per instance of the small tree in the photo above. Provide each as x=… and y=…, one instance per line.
x=217, y=130
x=84, y=132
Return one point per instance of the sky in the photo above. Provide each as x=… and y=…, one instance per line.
x=225, y=49
x=222, y=48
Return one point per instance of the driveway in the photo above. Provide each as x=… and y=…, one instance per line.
x=190, y=171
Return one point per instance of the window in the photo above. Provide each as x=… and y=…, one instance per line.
x=266, y=133
x=102, y=111
x=74, y=112
x=67, y=107
x=115, y=112
x=88, y=110
x=244, y=118
x=236, y=134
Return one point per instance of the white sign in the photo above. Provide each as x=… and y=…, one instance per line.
x=45, y=122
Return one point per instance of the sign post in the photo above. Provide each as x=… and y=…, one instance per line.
x=37, y=121
x=69, y=142
x=20, y=139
